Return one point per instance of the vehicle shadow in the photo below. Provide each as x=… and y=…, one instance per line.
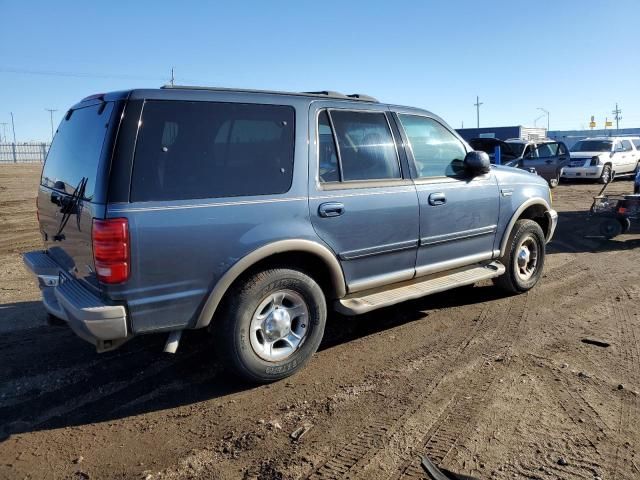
x=52, y=379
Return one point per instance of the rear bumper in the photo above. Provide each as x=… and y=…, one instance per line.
x=89, y=316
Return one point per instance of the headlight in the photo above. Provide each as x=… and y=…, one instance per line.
x=595, y=161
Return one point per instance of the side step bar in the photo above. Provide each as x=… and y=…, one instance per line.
x=368, y=300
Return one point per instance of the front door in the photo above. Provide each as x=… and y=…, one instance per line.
x=458, y=212
x=362, y=201
x=547, y=159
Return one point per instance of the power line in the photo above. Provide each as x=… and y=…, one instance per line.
x=53, y=73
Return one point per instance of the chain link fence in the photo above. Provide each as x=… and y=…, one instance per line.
x=23, y=152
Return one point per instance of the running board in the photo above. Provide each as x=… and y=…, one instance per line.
x=362, y=302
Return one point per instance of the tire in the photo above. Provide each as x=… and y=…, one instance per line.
x=611, y=227
x=525, y=233
x=554, y=182
x=605, y=176
x=243, y=336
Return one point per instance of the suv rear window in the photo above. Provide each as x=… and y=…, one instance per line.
x=76, y=149
x=189, y=150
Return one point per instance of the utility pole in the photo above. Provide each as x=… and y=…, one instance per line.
x=51, y=110
x=4, y=131
x=477, y=105
x=13, y=127
x=172, y=77
x=547, y=114
x=617, y=116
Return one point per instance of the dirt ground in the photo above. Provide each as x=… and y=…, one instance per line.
x=483, y=384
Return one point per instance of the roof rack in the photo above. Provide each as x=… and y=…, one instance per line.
x=322, y=93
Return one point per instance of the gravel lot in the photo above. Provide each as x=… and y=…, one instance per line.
x=485, y=385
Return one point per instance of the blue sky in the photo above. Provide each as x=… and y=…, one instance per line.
x=574, y=58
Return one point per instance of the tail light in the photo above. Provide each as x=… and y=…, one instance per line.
x=111, y=249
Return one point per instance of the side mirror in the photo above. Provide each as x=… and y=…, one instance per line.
x=477, y=162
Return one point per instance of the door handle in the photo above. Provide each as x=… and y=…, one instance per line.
x=548, y=161
x=437, y=199
x=331, y=209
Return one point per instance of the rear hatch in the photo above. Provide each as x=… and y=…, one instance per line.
x=73, y=185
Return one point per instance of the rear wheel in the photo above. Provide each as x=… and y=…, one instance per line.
x=272, y=324
x=611, y=227
x=605, y=176
x=523, y=258
x=554, y=182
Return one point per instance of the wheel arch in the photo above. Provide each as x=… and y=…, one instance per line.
x=320, y=262
x=536, y=209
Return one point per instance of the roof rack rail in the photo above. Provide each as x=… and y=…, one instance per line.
x=363, y=97
x=326, y=93
x=322, y=93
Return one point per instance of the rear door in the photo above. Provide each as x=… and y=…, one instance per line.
x=73, y=183
x=362, y=201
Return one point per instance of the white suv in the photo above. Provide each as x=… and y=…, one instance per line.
x=603, y=158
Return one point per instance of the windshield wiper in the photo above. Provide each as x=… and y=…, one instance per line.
x=69, y=207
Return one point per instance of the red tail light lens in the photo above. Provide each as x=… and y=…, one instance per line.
x=111, y=249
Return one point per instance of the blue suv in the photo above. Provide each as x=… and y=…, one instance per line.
x=252, y=213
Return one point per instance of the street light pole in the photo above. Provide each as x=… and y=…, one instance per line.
x=51, y=110
x=547, y=113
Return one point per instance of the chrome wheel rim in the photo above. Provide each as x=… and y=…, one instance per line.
x=527, y=259
x=279, y=325
x=606, y=174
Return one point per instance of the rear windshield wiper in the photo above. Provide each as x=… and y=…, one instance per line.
x=69, y=207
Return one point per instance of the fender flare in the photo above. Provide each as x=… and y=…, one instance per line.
x=265, y=251
x=516, y=216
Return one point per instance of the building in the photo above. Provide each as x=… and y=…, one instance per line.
x=503, y=133
x=569, y=137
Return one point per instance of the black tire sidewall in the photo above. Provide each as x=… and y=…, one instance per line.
x=524, y=228
x=245, y=301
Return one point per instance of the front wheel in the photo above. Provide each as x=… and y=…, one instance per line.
x=523, y=258
x=605, y=176
x=272, y=324
x=554, y=182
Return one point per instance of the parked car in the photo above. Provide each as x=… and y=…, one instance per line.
x=603, y=158
x=252, y=213
x=543, y=157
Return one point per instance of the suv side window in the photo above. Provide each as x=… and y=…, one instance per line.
x=190, y=150
x=636, y=143
x=437, y=152
x=366, y=146
x=562, y=149
x=327, y=153
x=547, y=150
x=626, y=146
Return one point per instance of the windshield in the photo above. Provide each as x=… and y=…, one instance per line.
x=76, y=149
x=592, y=146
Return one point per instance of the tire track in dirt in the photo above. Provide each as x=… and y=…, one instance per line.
x=377, y=433
x=624, y=456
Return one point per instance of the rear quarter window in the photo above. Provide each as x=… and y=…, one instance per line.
x=190, y=150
